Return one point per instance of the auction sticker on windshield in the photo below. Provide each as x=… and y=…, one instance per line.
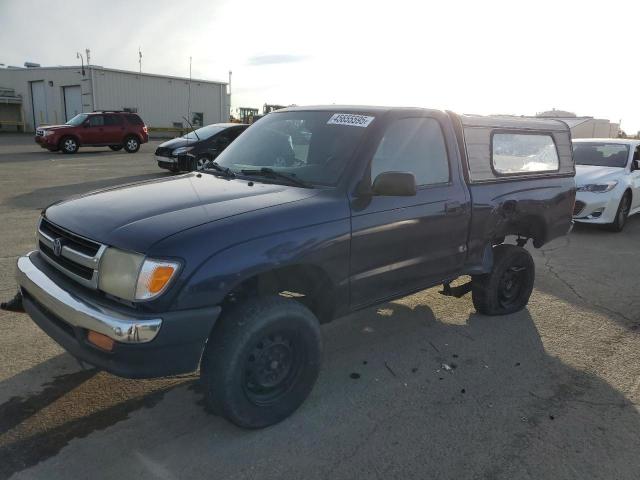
x=350, y=120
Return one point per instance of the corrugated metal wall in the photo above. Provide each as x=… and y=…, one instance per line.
x=161, y=101
x=54, y=80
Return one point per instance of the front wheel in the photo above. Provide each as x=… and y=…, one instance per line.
x=261, y=361
x=507, y=288
x=131, y=144
x=621, y=214
x=69, y=145
x=115, y=148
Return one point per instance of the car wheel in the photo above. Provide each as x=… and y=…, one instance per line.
x=261, y=362
x=621, y=214
x=68, y=145
x=131, y=144
x=507, y=288
x=115, y=148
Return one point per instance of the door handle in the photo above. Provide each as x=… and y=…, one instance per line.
x=452, y=207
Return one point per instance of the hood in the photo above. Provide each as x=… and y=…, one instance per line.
x=54, y=127
x=586, y=174
x=177, y=142
x=135, y=216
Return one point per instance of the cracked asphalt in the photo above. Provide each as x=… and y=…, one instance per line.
x=552, y=392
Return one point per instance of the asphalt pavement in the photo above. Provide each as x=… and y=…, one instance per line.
x=419, y=388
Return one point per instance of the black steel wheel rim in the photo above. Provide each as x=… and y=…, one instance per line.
x=512, y=283
x=271, y=368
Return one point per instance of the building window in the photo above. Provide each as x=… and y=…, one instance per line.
x=521, y=153
x=130, y=109
x=197, y=119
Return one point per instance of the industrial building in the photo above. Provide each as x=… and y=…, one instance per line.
x=584, y=127
x=53, y=95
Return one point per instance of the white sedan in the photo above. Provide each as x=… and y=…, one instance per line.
x=607, y=180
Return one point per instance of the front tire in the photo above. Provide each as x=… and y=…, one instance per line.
x=261, y=361
x=131, y=144
x=69, y=145
x=621, y=214
x=507, y=288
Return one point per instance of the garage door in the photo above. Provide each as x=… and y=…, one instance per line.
x=72, y=101
x=39, y=103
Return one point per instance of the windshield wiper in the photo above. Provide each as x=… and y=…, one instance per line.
x=225, y=171
x=269, y=172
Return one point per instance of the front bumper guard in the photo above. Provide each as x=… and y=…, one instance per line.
x=80, y=312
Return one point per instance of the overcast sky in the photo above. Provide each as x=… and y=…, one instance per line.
x=468, y=56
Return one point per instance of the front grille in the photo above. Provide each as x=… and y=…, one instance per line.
x=164, y=151
x=75, y=256
x=578, y=207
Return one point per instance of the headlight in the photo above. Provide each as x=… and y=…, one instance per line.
x=181, y=150
x=131, y=276
x=48, y=132
x=598, y=187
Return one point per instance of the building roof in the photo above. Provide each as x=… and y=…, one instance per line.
x=622, y=141
x=97, y=67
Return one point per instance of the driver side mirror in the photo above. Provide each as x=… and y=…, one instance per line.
x=400, y=184
x=636, y=165
x=85, y=125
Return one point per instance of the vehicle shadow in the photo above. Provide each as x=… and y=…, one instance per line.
x=405, y=392
x=41, y=197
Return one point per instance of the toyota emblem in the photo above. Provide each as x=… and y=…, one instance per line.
x=57, y=247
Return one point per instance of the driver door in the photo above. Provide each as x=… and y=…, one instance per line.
x=93, y=130
x=404, y=243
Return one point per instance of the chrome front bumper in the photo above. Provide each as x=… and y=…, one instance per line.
x=81, y=313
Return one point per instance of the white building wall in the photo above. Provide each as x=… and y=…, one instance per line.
x=160, y=100
x=54, y=80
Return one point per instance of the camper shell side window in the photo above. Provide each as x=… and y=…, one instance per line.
x=519, y=152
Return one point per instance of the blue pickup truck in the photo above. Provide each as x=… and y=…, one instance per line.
x=311, y=214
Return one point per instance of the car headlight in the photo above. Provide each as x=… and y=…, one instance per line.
x=48, y=132
x=132, y=276
x=181, y=150
x=598, y=187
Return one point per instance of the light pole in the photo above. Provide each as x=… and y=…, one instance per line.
x=79, y=55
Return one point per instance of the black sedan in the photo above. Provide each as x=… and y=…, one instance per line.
x=194, y=148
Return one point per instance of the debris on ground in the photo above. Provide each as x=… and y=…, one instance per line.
x=355, y=375
x=390, y=370
x=447, y=367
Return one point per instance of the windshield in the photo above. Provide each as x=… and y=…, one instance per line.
x=601, y=154
x=204, y=132
x=77, y=120
x=311, y=146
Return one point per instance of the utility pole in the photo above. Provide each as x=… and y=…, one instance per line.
x=140, y=59
x=88, y=52
x=189, y=95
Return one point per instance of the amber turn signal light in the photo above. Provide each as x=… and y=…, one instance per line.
x=101, y=341
x=159, y=278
